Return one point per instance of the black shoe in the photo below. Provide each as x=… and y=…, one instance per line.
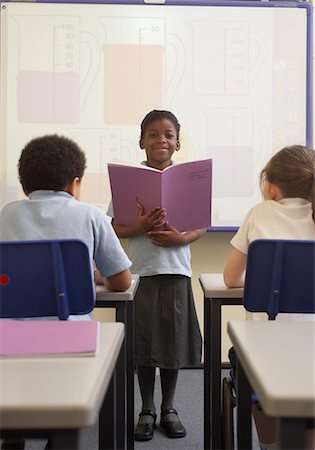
x=144, y=431
x=173, y=429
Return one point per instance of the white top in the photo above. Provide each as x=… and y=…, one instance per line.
x=149, y=259
x=278, y=359
x=58, y=392
x=289, y=218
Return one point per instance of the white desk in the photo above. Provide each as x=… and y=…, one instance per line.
x=277, y=359
x=54, y=397
x=123, y=304
x=216, y=294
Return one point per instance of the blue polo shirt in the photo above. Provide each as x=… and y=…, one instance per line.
x=58, y=215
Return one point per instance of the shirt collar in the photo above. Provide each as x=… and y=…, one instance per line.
x=41, y=194
x=144, y=163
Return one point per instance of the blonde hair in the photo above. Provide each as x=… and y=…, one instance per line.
x=292, y=170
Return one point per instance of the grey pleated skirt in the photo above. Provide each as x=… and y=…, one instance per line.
x=167, y=332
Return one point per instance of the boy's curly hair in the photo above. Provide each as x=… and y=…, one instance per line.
x=50, y=163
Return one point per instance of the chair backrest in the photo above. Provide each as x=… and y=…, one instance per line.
x=280, y=277
x=45, y=278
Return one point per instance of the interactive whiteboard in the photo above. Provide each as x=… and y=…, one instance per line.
x=237, y=75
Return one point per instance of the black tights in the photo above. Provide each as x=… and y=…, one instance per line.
x=146, y=377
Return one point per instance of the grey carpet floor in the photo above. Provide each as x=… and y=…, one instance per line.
x=189, y=404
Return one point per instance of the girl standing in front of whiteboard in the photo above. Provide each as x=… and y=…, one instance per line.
x=288, y=212
x=167, y=333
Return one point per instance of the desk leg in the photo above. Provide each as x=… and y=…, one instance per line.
x=108, y=418
x=125, y=314
x=212, y=374
x=291, y=433
x=207, y=378
x=130, y=377
x=61, y=439
x=121, y=316
x=244, y=403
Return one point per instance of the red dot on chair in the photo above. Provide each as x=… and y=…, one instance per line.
x=4, y=279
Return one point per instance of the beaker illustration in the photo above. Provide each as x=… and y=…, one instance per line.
x=51, y=84
x=230, y=144
x=223, y=61
x=134, y=68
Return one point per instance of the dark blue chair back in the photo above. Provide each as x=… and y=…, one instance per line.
x=45, y=278
x=280, y=277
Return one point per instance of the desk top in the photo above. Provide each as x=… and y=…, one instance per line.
x=278, y=359
x=213, y=286
x=104, y=294
x=58, y=392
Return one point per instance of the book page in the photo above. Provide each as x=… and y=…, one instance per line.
x=187, y=195
x=130, y=185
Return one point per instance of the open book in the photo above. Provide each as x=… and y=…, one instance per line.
x=184, y=190
x=48, y=337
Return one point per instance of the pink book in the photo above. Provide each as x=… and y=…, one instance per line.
x=48, y=337
x=184, y=190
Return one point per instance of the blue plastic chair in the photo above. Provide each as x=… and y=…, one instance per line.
x=280, y=278
x=45, y=278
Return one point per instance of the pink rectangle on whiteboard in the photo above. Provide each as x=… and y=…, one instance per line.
x=134, y=81
x=48, y=97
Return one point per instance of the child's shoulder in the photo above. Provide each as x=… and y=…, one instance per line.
x=262, y=206
x=260, y=211
x=90, y=208
x=12, y=206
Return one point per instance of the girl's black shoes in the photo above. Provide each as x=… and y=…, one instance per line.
x=173, y=429
x=145, y=431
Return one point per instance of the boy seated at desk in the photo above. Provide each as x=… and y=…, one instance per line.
x=50, y=171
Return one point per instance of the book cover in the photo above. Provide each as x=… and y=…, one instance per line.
x=184, y=190
x=48, y=337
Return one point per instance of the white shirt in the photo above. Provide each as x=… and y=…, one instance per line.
x=289, y=218
x=149, y=259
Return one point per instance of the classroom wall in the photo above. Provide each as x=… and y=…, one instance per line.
x=209, y=255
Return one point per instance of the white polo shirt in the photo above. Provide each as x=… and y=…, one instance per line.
x=289, y=218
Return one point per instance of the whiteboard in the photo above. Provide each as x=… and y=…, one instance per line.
x=237, y=76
